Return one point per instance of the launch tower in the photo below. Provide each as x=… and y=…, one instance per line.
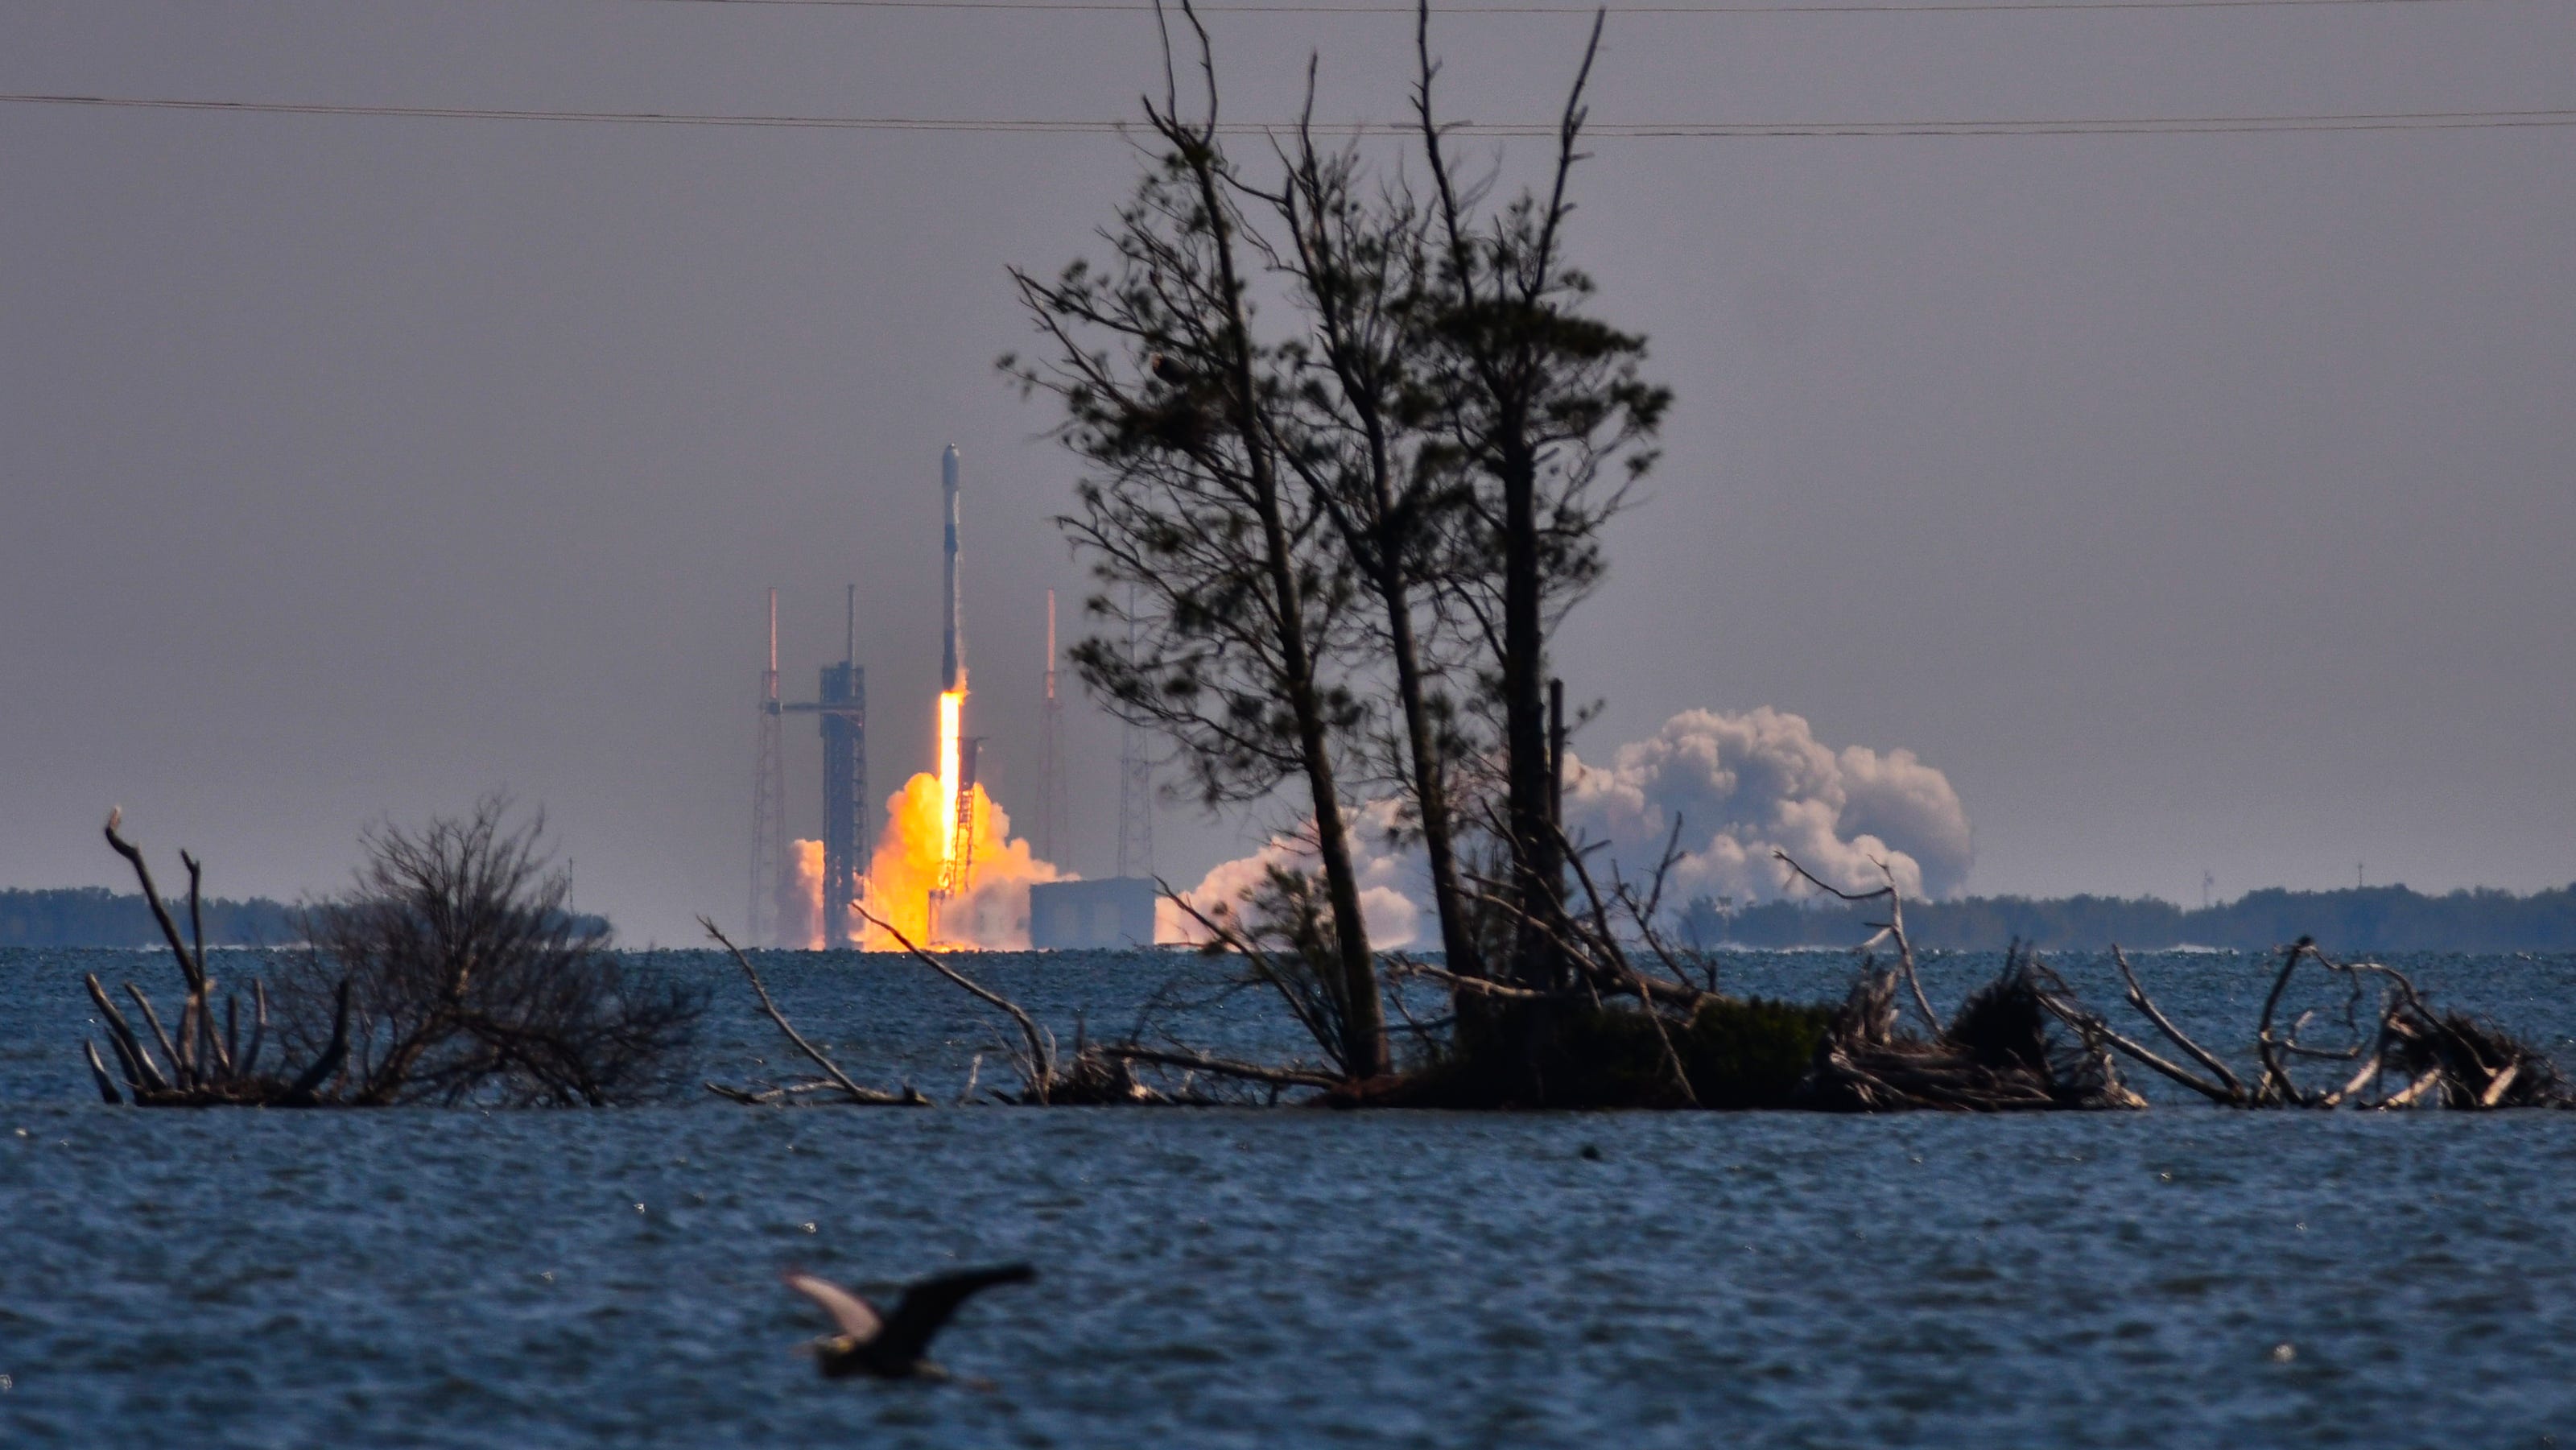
x=841, y=703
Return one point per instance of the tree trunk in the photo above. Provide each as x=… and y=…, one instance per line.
x=1537, y=865
x=1430, y=788
x=1364, y=1050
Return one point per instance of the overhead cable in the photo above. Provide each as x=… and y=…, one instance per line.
x=1615, y=130
x=1513, y=7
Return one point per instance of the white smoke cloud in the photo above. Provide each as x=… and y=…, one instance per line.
x=1389, y=880
x=1744, y=784
x=1741, y=784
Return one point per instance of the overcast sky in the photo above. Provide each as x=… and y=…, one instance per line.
x=2194, y=502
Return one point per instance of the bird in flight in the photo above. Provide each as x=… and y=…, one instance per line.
x=894, y=1346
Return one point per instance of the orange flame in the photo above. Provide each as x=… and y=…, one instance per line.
x=952, y=711
x=913, y=855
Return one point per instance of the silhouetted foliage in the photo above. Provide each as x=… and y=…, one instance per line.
x=471, y=980
x=199, y=1062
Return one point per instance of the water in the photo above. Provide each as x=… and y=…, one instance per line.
x=1244, y=1277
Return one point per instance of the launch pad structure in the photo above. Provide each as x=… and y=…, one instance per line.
x=841, y=707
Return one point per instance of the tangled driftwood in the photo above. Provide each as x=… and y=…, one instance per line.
x=2004, y=1052
x=1093, y=1074
x=198, y=1065
x=2409, y=1054
x=1997, y=1055
x=2000, y=1056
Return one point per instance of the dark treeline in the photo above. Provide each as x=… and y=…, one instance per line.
x=93, y=916
x=2372, y=919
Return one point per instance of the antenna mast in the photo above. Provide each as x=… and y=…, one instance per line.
x=1052, y=823
x=768, y=802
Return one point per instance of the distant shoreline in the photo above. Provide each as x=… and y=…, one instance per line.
x=2352, y=919
x=93, y=916
x=2371, y=919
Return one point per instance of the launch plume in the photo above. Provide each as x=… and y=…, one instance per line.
x=800, y=897
x=1389, y=880
x=913, y=851
x=1741, y=784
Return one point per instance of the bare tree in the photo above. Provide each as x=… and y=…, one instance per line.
x=471, y=979
x=203, y=1064
x=1548, y=409
x=1359, y=267
x=1405, y=484
x=1173, y=403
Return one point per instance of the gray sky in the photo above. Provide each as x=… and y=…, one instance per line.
x=2192, y=501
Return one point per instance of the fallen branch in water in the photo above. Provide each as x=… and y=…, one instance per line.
x=2439, y=1058
x=2228, y=1088
x=1892, y=929
x=1037, y=1066
x=1219, y=1066
x=1480, y=986
x=834, y=1080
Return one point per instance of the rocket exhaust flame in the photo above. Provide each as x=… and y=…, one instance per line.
x=991, y=912
x=952, y=713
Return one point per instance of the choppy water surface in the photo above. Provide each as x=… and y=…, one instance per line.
x=1242, y=1277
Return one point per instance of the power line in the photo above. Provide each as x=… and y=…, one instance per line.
x=1631, y=130
x=1312, y=7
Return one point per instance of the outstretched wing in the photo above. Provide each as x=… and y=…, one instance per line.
x=927, y=1305
x=856, y=1316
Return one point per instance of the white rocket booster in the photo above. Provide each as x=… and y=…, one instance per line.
x=952, y=649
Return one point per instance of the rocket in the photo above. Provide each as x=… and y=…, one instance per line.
x=952, y=650
x=956, y=755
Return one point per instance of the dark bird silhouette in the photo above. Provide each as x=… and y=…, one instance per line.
x=892, y=1346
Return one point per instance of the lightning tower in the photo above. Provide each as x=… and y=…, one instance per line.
x=1052, y=825
x=768, y=802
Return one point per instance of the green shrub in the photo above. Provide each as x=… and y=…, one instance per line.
x=1750, y=1052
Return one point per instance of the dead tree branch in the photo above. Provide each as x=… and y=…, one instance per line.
x=1891, y=929
x=2232, y=1088
x=1040, y=1067
x=834, y=1078
x=1219, y=1066
x=197, y=1066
